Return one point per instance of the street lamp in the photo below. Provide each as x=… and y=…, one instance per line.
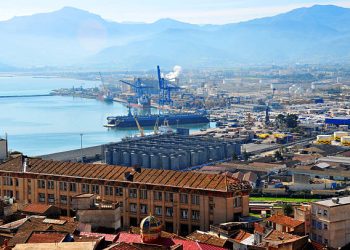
x=81, y=146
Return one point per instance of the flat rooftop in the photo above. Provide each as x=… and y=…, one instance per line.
x=330, y=203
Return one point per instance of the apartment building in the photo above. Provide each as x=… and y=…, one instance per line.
x=182, y=201
x=330, y=222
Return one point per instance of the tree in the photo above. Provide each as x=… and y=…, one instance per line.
x=278, y=156
x=288, y=209
x=234, y=156
x=291, y=120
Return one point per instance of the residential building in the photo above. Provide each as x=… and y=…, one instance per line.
x=330, y=222
x=182, y=201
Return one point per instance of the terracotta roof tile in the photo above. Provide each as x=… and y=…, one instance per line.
x=194, y=180
x=275, y=235
x=284, y=220
x=36, y=208
x=241, y=235
x=207, y=238
x=46, y=237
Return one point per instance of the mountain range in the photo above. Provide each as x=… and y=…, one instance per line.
x=76, y=38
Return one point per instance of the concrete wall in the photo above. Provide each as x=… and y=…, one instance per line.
x=107, y=218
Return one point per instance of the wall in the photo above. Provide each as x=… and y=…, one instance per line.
x=107, y=218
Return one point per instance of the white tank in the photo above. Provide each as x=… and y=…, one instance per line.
x=345, y=140
x=339, y=134
x=324, y=139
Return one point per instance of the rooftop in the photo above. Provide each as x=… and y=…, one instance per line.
x=170, y=178
x=206, y=238
x=46, y=237
x=334, y=201
x=36, y=208
x=284, y=220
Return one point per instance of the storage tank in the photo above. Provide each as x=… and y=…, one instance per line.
x=343, y=127
x=345, y=140
x=174, y=162
x=108, y=157
x=126, y=159
x=145, y=160
x=165, y=161
x=116, y=157
x=154, y=162
x=324, y=139
x=212, y=154
x=339, y=134
x=194, y=158
x=134, y=158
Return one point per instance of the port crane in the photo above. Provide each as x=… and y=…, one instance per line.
x=137, y=86
x=139, y=127
x=165, y=88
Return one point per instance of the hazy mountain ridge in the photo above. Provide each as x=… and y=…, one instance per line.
x=73, y=37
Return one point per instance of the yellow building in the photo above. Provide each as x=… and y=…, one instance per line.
x=182, y=201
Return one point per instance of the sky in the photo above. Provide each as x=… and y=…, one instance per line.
x=192, y=11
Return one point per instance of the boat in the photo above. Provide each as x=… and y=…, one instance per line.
x=108, y=97
x=128, y=121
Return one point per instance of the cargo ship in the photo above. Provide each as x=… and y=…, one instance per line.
x=128, y=121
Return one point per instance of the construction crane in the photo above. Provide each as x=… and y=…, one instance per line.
x=165, y=88
x=139, y=127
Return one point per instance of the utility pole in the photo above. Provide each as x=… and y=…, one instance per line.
x=81, y=146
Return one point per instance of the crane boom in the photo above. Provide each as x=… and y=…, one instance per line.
x=139, y=127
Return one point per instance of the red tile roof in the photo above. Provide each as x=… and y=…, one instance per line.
x=170, y=178
x=46, y=237
x=275, y=235
x=241, y=235
x=107, y=237
x=207, y=238
x=187, y=244
x=285, y=220
x=36, y=208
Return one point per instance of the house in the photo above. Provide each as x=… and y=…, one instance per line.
x=283, y=223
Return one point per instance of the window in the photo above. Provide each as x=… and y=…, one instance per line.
x=51, y=198
x=41, y=183
x=319, y=225
x=50, y=185
x=41, y=197
x=313, y=237
x=95, y=189
x=313, y=223
x=72, y=187
x=211, y=199
x=325, y=212
x=237, y=202
x=211, y=208
x=133, y=207
x=325, y=226
x=63, y=186
x=143, y=209
x=133, y=193
x=195, y=199
x=16, y=182
x=108, y=190
x=158, y=195
x=183, y=198
x=319, y=239
x=326, y=242
x=195, y=215
x=143, y=194
x=169, y=211
x=8, y=181
x=63, y=199
x=158, y=210
x=85, y=188
x=169, y=196
x=184, y=213
x=118, y=191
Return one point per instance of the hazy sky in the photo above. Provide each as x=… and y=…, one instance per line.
x=193, y=11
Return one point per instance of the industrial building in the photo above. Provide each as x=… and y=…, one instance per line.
x=182, y=201
x=170, y=151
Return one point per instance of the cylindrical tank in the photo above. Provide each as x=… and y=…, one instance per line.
x=212, y=154
x=165, y=162
x=126, y=159
x=345, y=140
x=145, y=160
x=116, y=157
x=339, y=134
x=324, y=139
x=134, y=158
x=108, y=157
x=174, y=162
x=194, y=158
x=201, y=158
x=154, y=163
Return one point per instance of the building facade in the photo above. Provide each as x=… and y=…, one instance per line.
x=330, y=222
x=182, y=201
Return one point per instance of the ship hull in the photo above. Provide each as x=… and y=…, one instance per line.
x=149, y=121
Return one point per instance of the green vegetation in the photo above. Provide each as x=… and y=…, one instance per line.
x=288, y=209
x=284, y=199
